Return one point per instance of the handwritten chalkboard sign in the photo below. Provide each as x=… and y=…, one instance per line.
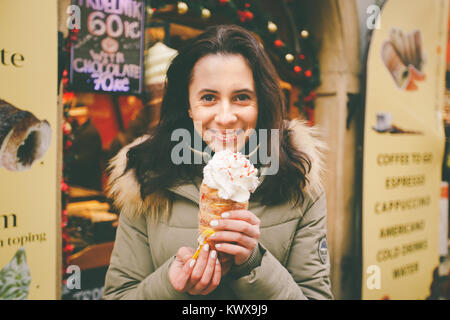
x=108, y=55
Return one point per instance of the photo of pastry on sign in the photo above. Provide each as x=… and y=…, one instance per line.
x=23, y=137
x=404, y=58
x=385, y=124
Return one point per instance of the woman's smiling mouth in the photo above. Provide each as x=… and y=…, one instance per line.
x=226, y=135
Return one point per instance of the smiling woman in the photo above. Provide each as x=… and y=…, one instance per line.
x=222, y=99
x=220, y=88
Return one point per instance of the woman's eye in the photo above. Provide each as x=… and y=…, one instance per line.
x=242, y=97
x=208, y=98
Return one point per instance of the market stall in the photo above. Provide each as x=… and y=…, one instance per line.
x=384, y=183
x=113, y=68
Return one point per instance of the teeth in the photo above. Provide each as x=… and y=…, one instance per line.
x=227, y=136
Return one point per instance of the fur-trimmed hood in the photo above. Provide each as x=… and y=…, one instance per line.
x=124, y=189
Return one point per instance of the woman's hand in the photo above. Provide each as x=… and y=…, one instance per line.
x=237, y=233
x=226, y=261
x=196, y=277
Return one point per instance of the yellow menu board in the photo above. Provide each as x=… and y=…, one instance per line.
x=403, y=149
x=30, y=266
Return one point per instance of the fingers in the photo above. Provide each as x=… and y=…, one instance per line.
x=238, y=233
x=181, y=269
x=233, y=249
x=185, y=274
x=237, y=237
x=205, y=283
x=244, y=215
x=207, y=273
x=199, y=267
x=215, y=279
x=199, y=276
x=242, y=226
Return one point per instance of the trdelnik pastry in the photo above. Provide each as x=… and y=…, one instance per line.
x=23, y=137
x=228, y=180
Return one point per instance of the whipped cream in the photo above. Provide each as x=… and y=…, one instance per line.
x=232, y=174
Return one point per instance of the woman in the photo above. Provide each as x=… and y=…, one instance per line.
x=221, y=87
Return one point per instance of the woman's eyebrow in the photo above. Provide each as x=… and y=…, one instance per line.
x=208, y=90
x=243, y=91
x=234, y=92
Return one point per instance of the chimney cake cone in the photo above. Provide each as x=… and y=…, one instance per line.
x=228, y=180
x=211, y=208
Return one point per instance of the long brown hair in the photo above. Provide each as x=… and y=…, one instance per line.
x=151, y=159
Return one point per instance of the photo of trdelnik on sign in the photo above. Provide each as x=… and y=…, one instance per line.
x=108, y=56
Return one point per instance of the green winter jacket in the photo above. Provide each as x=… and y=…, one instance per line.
x=294, y=263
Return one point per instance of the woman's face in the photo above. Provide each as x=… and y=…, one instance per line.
x=223, y=102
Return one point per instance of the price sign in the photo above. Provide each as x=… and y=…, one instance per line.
x=108, y=54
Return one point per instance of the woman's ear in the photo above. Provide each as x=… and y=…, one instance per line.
x=190, y=113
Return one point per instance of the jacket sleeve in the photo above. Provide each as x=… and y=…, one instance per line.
x=305, y=275
x=131, y=273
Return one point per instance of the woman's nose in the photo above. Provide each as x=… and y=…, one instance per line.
x=225, y=115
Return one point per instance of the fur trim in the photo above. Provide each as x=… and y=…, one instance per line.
x=307, y=139
x=124, y=189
